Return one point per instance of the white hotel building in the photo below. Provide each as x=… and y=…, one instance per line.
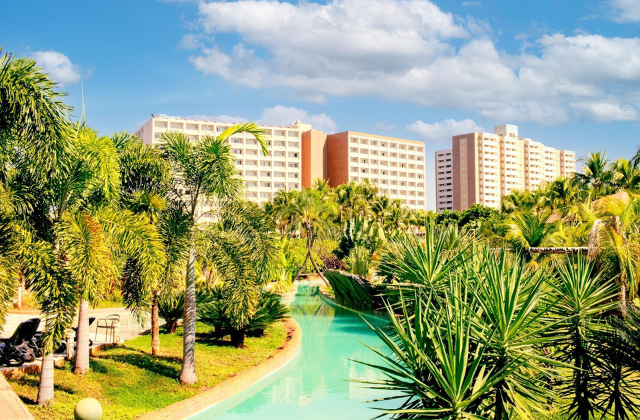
x=262, y=175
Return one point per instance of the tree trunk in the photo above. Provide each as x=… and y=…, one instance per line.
x=302, y=268
x=45, y=389
x=237, y=338
x=82, y=351
x=171, y=325
x=317, y=269
x=155, y=326
x=310, y=256
x=188, y=375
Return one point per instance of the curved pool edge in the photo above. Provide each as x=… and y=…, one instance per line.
x=232, y=386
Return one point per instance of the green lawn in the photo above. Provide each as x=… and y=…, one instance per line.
x=128, y=381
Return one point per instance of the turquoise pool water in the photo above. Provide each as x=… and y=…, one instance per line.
x=316, y=384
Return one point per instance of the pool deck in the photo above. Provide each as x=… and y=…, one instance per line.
x=235, y=384
x=12, y=407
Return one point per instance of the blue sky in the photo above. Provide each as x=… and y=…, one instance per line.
x=567, y=72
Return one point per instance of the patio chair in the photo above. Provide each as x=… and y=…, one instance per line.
x=111, y=327
x=62, y=346
x=17, y=349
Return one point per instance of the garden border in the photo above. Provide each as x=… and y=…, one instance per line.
x=235, y=384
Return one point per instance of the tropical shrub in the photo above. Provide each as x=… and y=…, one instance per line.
x=214, y=311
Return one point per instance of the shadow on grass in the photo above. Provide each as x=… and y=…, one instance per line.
x=34, y=382
x=160, y=365
x=212, y=339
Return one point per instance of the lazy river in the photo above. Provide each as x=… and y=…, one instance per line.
x=316, y=384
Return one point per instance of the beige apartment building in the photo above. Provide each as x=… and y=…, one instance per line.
x=486, y=166
x=298, y=155
x=444, y=180
x=396, y=166
x=263, y=175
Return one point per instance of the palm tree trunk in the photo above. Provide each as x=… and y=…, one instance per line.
x=301, y=268
x=317, y=269
x=45, y=389
x=310, y=256
x=82, y=352
x=155, y=326
x=188, y=375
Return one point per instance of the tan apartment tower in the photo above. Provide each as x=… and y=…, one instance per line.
x=487, y=166
x=444, y=181
x=396, y=166
x=263, y=175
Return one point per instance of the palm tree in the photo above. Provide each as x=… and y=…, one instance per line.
x=596, y=175
x=72, y=235
x=313, y=217
x=282, y=209
x=562, y=193
x=145, y=179
x=244, y=250
x=528, y=229
x=349, y=198
x=396, y=219
x=204, y=171
x=626, y=176
x=380, y=207
x=31, y=110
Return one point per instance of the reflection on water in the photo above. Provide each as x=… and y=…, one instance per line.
x=315, y=385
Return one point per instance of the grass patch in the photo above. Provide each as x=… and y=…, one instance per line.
x=128, y=381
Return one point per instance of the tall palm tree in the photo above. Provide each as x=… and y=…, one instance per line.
x=380, y=208
x=349, y=198
x=313, y=218
x=31, y=110
x=597, y=175
x=527, y=229
x=244, y=250
x=145, y=179
x=626, y=176
x=204, y=172
x=282, y=209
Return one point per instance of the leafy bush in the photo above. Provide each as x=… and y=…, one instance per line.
x=171, y=309
x=214, y=311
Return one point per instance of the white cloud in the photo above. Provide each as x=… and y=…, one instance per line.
x=411, y=50
x=383, y=126
x=441, y=132
x=59, y=67
x=626, y=10
x=605, y=111
x=285, y=115
x=472, y=3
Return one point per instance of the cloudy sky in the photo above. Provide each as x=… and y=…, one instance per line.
x=566, y=71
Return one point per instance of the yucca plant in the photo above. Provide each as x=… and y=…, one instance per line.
x=436, y=365
x=616, y=366
x=426, y=263
x=583, y=296
x=512, y=305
